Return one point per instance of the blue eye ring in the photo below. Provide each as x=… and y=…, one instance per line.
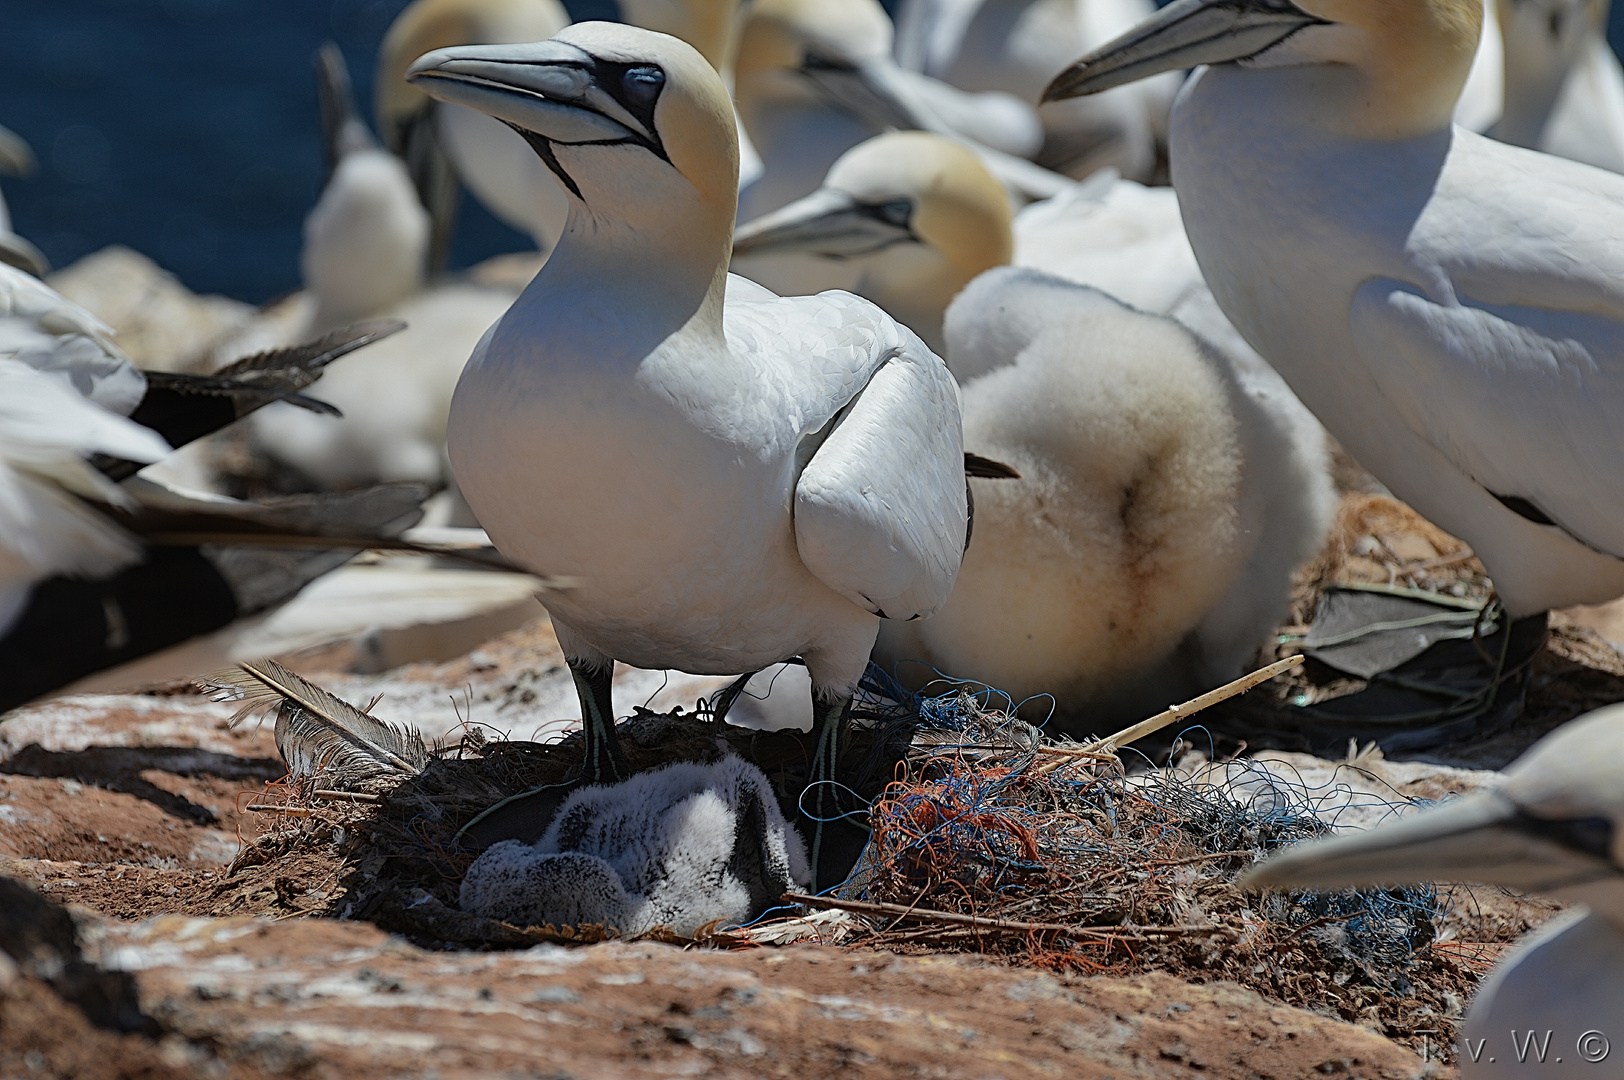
x=643, y=83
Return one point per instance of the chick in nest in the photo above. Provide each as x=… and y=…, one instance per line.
x=677, y=847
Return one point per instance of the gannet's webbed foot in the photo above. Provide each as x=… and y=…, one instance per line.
x=819, y=802
x=604, y=762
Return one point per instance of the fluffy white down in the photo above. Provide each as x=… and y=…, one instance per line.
x=679, y=846
x=1146, y=503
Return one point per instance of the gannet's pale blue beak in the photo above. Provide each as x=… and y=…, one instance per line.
x=549, y=89
x=830, y=223
x=1184, y=34
x=1482, y=837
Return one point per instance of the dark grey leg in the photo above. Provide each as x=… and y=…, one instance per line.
x=818, y=802
x=605, y=762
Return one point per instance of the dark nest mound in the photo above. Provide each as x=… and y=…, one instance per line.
x=397, y=850
x=986, y=838
x=997, y=842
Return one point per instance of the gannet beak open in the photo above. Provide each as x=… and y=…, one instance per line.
x=1184, y=34
x=551, y=92
x=829, y=223
x=1482, y=838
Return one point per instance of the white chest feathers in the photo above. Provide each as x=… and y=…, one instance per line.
x=679, y=847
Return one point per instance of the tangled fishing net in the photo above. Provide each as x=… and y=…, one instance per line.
x=1000, y=842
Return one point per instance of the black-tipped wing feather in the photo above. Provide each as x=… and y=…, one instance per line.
x=183, y=408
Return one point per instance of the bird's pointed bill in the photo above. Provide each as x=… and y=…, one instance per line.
x=1184, y=34
x=15, y=251
x=16, y=158
x=551, y=88
x=1481, y=838
x=872, y=91
x=827, y=222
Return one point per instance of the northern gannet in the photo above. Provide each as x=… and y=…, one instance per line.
x=904, y=219
x=17, y=159
x=446, y=143
x=365, y=243
x=79, y=588
x=734, y=478
x=816, y=77
x=1017, y=46
x=446, y=146
x=1071, y=589
x=366, y=239
x=1450, y=307
x=1554, y=826
x=1564, y=88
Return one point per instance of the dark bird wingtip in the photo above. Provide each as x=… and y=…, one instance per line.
x=983, y=468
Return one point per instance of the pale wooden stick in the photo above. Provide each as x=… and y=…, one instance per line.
x=867, y=907
x=266, y=808
x=1109, y=744
x=344, y=796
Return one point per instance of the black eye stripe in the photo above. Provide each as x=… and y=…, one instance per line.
x=896, y=212
x=818, y=62
x=637, y=87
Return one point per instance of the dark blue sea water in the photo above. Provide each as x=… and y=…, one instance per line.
x=188, y=129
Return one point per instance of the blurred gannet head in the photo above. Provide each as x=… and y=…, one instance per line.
x=1555, y=826
x=637, y=126
x=823, y=52
x=800, y=34
x=917, y=212
x=1385, y=68
x=426, y=25
x=707, y=25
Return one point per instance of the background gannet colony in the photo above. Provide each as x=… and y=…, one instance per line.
x=824, y=537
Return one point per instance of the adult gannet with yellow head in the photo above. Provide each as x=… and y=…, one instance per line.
x=1555, y=825
x=735, y=478
x=1167, y=489
x=816, y=77
x=1450, y=307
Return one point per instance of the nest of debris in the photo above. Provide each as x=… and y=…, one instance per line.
x=998, y=842
x=986, y=837
x=393, y=845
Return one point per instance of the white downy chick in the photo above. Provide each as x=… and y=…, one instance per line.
x=1146, y=550
x=679, y=847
